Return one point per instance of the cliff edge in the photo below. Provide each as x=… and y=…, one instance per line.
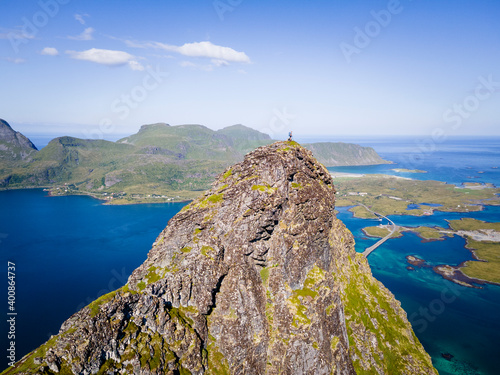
x=257, y=276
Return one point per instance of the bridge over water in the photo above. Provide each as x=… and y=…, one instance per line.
x=394, y=228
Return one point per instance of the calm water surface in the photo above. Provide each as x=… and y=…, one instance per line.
x=68, y=251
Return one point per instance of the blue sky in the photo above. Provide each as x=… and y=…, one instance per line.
x=100, y=68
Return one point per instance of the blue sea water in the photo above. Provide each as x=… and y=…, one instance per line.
x=70, y=250
x=67, y=252
x=455, y=161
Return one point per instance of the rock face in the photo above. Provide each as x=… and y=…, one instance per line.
x=14, y=146
x=257, y=276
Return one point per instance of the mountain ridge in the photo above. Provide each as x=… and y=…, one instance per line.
x=167, y=162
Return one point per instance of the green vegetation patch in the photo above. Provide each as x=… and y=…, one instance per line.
x=217, y=363
x=215, y=198
x=430, y=233
x=264, y=274
x=264, y=188
x=370, y=310
x=208, y=251
x=389, y=195
x=489, y=268
x=95, y=307
x=141, y=285
x=152, y=276
x=228, y=173
x=381, y=232
x=469, y=224
x=309, y=292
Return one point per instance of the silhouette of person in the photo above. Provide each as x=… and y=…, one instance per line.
x=290, y=136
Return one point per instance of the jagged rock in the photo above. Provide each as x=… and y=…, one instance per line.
x=257, y=276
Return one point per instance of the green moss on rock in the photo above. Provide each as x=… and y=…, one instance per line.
x=95, y=307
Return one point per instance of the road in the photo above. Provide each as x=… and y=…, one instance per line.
x=370, y=249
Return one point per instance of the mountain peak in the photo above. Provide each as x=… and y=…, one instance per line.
x=156, y=125
x=256, y=276
x=14, y=146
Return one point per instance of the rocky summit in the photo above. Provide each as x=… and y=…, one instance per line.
x=257, y=276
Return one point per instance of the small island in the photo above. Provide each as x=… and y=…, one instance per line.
x=483, y=240
x=381, y=231
x=415, y=261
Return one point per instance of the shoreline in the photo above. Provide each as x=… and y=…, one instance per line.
x=104, y=201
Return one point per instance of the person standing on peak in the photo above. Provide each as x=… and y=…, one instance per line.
x=290, y=136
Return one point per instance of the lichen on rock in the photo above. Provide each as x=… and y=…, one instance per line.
x=257, y=276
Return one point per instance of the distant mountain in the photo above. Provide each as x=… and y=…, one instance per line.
x=159, y=161
x=245, y=139
x=343, y=154
x=194, y=142
x=14, y=146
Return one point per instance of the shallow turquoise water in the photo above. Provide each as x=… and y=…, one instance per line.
x=446, y=317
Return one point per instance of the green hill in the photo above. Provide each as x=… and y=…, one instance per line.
x=159, y=162
x=343, y=154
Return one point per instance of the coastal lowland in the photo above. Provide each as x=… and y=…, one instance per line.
x=392, y=195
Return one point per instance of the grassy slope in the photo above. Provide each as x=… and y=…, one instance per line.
x=381, y=338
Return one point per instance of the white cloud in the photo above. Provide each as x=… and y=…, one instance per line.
x=220, y=55
x=135, y=65
x=107, y=57
x=207, y=49
x=85, y=35
x=49, y=51
x=16, y=60
x=79, y=18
